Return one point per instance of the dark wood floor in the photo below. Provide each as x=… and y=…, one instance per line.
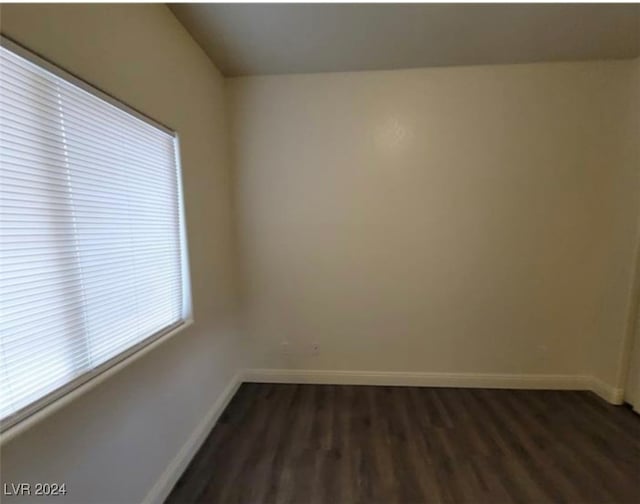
x=347, y=444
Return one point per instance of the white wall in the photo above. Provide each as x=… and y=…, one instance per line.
x=454, y=220
x=113, y=443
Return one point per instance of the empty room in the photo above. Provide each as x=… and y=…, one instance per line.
x=328, y=253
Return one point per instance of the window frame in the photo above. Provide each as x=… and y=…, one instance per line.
x=27, y=416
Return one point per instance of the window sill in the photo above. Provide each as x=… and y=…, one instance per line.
x=26, y=423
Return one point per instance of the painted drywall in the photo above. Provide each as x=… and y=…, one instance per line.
x=456, y=220
x=610, y=345
x=629, y=371
x=113, y=443
x=451, y=220
x=331, y=37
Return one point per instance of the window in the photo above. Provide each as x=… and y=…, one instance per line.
x=93, y=262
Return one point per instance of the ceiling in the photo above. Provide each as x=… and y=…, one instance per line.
x=257, y=39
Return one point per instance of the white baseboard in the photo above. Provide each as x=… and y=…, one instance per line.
x=160, y=491
x=176, y=467
x=473, y=380
x=470, y=380
x=609, y=393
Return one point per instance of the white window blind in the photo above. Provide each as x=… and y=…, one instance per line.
x=92, y=250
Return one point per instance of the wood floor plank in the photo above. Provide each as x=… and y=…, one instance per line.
x=317, y=444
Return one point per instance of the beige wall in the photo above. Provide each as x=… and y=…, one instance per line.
x=112, y=444
x=460, y=220
x=474, y=220
x=611, y=345
x=629, y=374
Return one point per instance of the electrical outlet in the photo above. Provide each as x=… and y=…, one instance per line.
x=285, y=348
x=315, y=349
